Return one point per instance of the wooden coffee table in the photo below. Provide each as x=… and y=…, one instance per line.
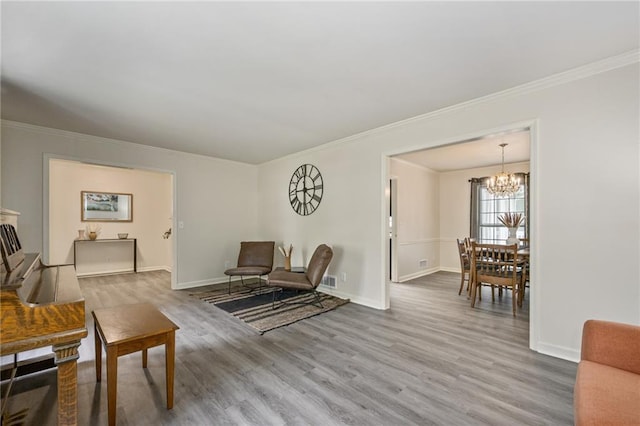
x=127, y=329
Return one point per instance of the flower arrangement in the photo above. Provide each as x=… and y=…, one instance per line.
x=286, y=252
x=511, y=220
x=287, y=256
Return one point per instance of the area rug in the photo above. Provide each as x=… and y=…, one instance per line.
x=254, y=306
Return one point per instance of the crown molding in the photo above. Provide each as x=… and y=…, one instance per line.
x=575, y=74
x=76, y=135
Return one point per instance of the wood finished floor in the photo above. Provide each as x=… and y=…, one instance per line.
x=430, y=359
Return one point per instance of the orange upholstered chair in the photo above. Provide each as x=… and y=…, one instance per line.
x=607, y=389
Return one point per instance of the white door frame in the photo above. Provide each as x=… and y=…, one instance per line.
x=534, y=289
x=45, y=203
x=393, y=229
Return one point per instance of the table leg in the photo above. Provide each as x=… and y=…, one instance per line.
x=112, y=382
x=170, y=353
x=98, y=352
x=66, y=356
x=144, y=358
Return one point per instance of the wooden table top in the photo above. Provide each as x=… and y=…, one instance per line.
x=131, y=322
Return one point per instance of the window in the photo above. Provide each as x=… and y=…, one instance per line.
x=485, y=209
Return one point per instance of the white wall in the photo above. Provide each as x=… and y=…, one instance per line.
x=418, y=219
x=152, y=216
x=348, y=218
x=585, y=148
x=455, y=208
x=215, y=199
x=585, y=165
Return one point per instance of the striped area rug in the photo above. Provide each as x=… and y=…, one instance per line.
x=254, y=307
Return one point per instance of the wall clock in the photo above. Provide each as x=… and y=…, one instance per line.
x=305, y=189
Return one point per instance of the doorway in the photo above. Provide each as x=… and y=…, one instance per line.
x=475, y=156
x=149, y=227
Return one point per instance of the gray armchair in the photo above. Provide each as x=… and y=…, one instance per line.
x=255, y=259
x=307, y=281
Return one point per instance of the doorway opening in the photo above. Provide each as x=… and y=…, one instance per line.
x=146, y=229
x=433, y=205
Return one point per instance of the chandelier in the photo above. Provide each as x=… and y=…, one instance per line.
x=503, y=184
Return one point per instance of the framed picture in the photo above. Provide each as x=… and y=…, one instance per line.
x=106, y=207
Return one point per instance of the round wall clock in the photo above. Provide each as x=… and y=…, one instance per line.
x=305, y=189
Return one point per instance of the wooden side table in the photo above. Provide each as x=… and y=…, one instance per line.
x=131, y=328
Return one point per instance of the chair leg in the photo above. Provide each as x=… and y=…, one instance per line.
x=315, y=293
x=521, y=289
x=461, y=284
x=229, y=284
x=474, y=288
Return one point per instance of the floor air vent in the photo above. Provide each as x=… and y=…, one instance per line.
x=328, y=281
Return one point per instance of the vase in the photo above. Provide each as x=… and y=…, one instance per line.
x=512, y=236
x=81, y=234
x=93, y=235
x=287, y=263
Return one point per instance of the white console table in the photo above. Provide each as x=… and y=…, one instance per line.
x=105, y=241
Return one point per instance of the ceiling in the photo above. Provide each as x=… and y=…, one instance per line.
x=252, y=82
x=482, y=152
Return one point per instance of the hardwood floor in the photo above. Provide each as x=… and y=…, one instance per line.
x=430, y=359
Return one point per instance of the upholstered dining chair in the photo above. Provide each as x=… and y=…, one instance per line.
x=465, y=266
x=255, y=259
x=497, y=264
x=307, y=281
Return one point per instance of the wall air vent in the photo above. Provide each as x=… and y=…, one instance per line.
x=329, y=281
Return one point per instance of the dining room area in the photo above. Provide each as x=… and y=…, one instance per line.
x=464, y=208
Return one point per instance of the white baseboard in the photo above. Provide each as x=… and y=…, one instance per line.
x=123, y=271
x=357, y=300
x=110, y=272
x=446, y=269
x=417, y=274
x=561, y=352
x=201, y=283
x=154, y=268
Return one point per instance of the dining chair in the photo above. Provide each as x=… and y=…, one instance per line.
x=465, y=266
x=527, y=266
x=468, y=242
x=499, y=265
